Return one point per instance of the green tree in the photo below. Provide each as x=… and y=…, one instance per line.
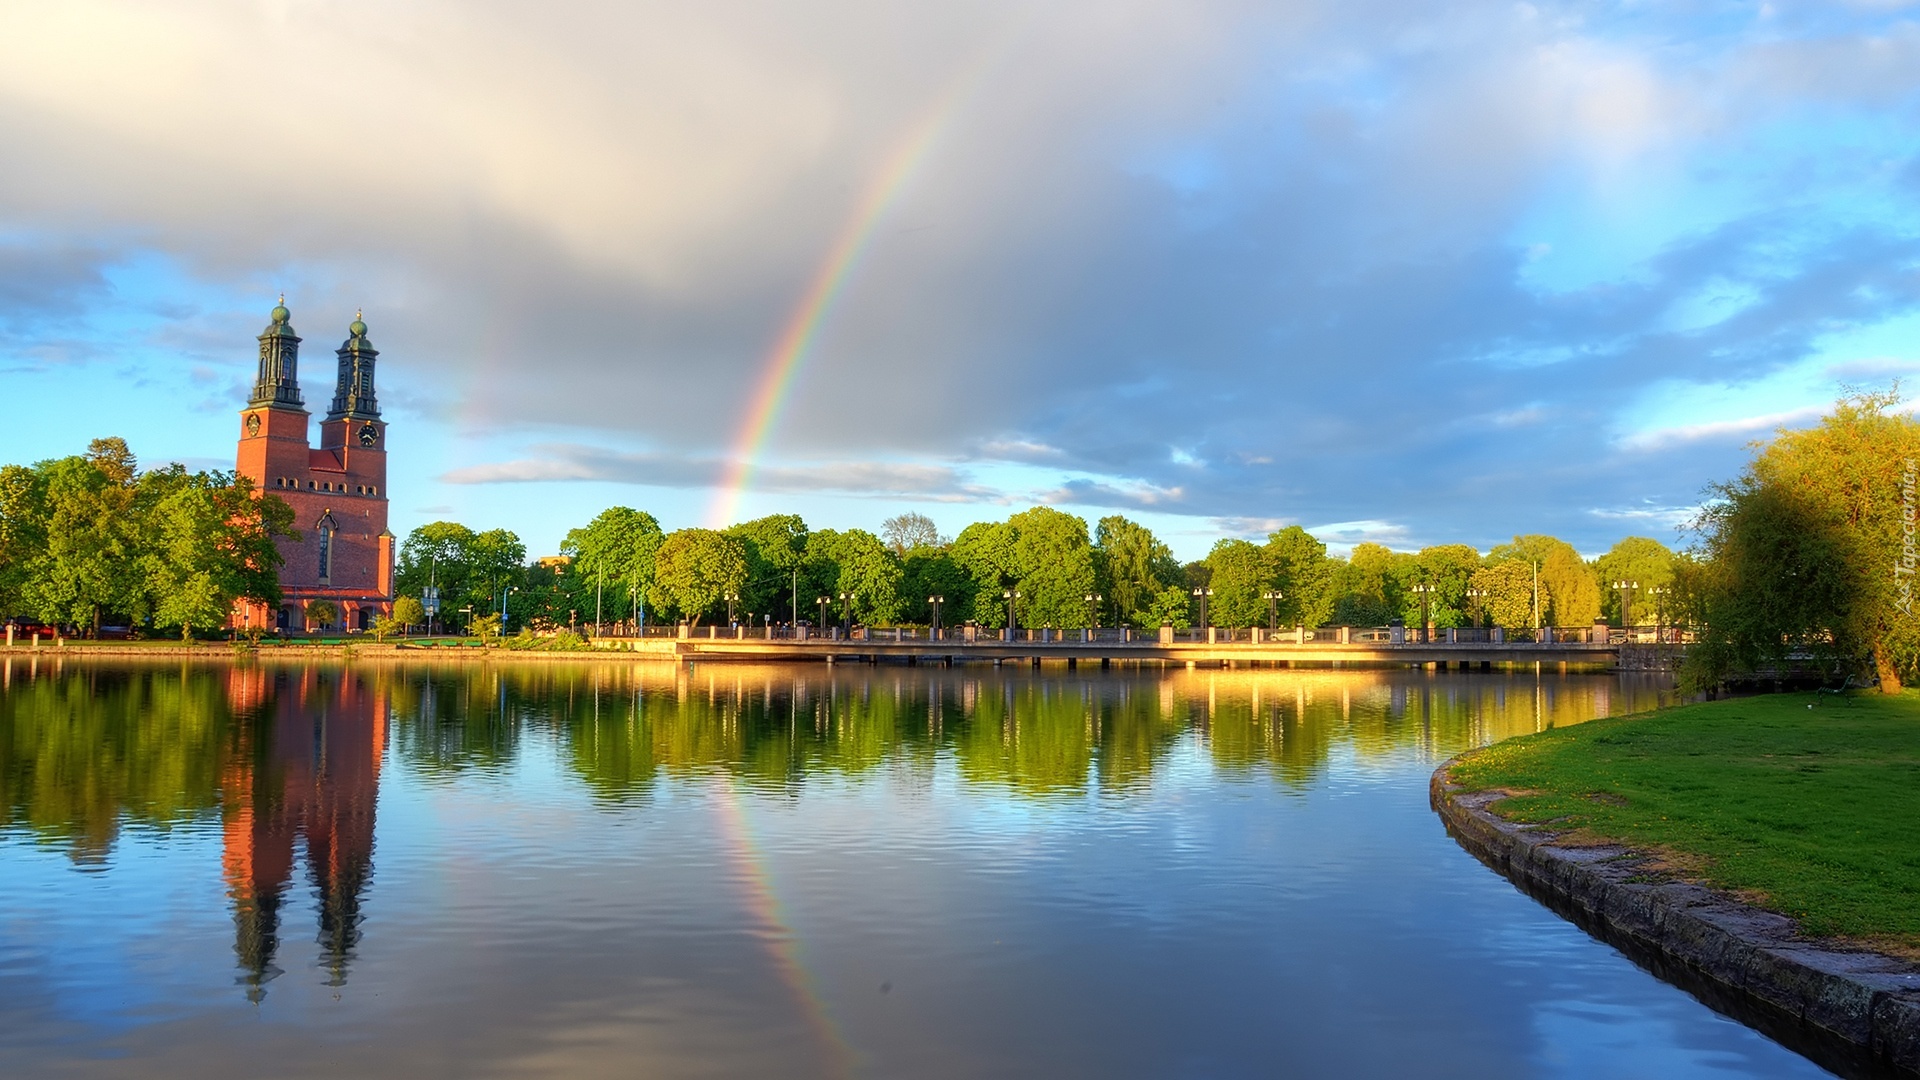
x=1570, y=584
x=1812, y=549
x=858, y=563
x=1172, y=607
x=321, y=614
x=497, y=560
x=1300, y=569
x=613, y=561
x=1648, y=564
x=409, y=612
x=441, y=554
x=1367, y=589
x=1133, y=568
x=694, y=570
x=1239, y=575
x=776, y=547
x=984, y=551
x=1053, y=563
x=926, y=572
x=1506, y=594
x=207, y=541
x=1043, y=554
x=1448, y=569
x=22, y=534
x=1569, y=591
x=88, y=562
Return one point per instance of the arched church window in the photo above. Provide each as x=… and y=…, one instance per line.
x=326, y=529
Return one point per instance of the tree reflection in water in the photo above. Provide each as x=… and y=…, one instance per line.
x=287, y=759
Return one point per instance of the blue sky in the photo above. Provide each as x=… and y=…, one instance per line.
x=1410, y=272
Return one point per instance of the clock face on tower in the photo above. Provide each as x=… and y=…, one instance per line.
x=369, y=435
x=253, y=423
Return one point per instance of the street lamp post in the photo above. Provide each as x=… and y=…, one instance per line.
x=1536, y=594
x=823, y=602
x=1625, y=589
x=1093, y=609
x=732, y=599
x=1011, y=596
x=935, y=602
x=1201, y=594
x=1659, y=594
x=509, y=591
x=1273, y=598
x=1425, y=591
x=846, y=613
x=1476, y=598
x=466, y=627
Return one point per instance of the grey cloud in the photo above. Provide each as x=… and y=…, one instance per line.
x=569, y=462
x=1277, y=237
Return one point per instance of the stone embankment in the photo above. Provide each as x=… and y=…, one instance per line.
x=1853, y=1011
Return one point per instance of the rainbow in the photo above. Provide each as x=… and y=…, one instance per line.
x=750, y=864
x=830, y=278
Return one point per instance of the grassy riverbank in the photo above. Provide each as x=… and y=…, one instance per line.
x=1811, y=812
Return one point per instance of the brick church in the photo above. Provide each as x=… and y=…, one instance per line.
x=338, y=491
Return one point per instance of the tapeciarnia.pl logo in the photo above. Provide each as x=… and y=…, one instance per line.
x=1903, y=567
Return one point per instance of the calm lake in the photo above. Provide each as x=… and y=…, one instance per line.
x=580, y=870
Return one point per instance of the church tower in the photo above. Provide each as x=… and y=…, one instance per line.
x=338, y=491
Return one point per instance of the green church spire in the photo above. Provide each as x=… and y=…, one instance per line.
x=353, y=389
x=278, y=382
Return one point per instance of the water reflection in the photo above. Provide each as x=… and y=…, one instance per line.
x=290, y=758
x=624, y=727
x=289, y=755
x=288, y=761
x=304, y=769
x=805, y=871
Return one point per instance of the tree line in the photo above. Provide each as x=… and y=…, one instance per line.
x=1809, y=555
x=1039, y=567
x=90, y=540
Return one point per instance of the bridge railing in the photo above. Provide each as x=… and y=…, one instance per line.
x=1652, y=635
x=1373, y=636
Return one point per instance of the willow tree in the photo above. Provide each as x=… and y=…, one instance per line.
x=1811, y=550
x=1132, y=567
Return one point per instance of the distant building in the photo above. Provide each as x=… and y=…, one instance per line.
x=338, y=492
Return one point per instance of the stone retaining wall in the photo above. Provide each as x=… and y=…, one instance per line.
x=1852, y=1011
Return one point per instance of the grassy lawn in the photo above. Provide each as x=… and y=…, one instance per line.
x=1811, y=812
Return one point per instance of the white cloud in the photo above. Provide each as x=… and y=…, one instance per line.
x=1742, y=429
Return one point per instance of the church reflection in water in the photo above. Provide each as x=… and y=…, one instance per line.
x=304, y=771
